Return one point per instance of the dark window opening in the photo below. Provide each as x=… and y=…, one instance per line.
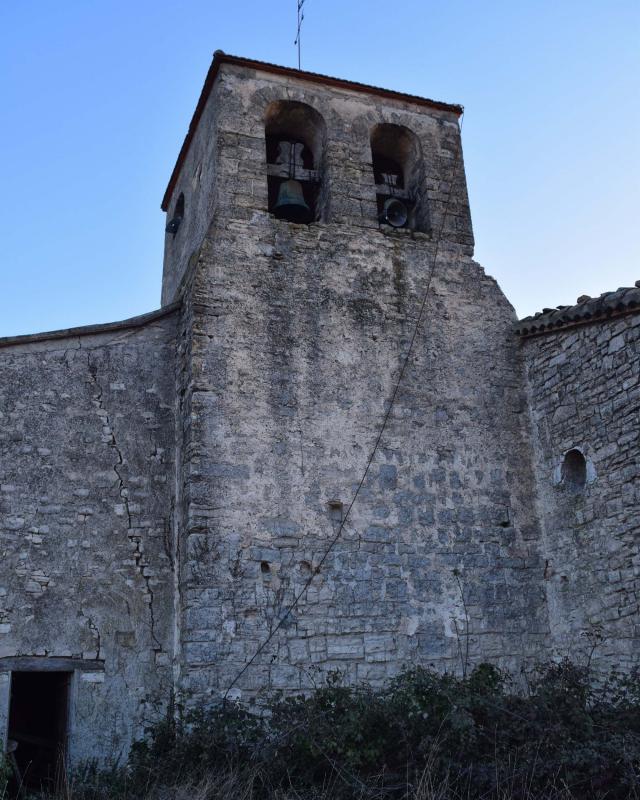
x=574, y=471
x=282, y=151
x=386, y=171
x=336, y=509
x=265, y=569
x=399, y=178
x=38, y=722
x=178, y=216
x=294, y=141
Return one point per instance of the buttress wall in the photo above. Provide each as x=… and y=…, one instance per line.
x=86, y=494
x=295, y=337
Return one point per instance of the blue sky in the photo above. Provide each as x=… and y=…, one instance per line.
x=97, y=96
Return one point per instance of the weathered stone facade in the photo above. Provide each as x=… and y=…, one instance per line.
x=86, y=492
x=584, y=384
x=170, y=484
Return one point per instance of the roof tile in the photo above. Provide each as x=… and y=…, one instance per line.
x=626, y=298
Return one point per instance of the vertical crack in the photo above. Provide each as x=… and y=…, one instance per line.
x=96, y=635
x=123, y=491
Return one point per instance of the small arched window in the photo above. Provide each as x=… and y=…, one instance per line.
x=574, y=471
x=398, y=173
x=177, y=217
x=295, y=136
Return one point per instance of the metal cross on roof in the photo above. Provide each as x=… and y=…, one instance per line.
x=300, y=3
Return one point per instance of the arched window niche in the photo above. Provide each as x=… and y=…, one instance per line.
x=574, y=471
x=295, y=139
x=398, y=171
x=177, y=216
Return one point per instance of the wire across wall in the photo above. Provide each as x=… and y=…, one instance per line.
x=381, y=430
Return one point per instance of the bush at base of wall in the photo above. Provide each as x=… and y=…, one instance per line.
x=425, y=736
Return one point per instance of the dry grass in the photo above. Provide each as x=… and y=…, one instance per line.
x=427, y=736
x=247, y=785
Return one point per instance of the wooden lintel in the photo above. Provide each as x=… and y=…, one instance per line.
x=387, y=191
x=49, y=664
x=282, y=171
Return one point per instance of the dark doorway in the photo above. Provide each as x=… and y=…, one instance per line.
x=38, y=726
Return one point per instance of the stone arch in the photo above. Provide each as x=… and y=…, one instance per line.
x=295, y=142
x=398, y=171
x=177, y=216
x=574, y=470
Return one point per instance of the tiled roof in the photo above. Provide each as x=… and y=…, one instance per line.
x=587, y=309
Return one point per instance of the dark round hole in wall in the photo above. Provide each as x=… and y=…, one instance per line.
x=264, y=567
x=574, y=471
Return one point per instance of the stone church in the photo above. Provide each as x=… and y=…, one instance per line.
x=176, y=490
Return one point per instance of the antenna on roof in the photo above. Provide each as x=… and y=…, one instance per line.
x=299, y=3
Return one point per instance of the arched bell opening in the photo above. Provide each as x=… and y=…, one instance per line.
x=176, y=218
x=398, y=172
x=295, y=136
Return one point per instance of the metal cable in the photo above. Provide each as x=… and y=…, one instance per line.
x=385, y=420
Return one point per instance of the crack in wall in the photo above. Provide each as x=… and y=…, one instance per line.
x=123, y=491
x=96, y=634
x=167, y=536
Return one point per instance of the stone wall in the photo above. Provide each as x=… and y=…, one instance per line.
x=197, y=182
x=168, y=487
x=86, y=497
x=294, y=337
x=584, y=385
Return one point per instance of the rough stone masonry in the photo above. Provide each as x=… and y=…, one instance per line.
x=169, y=484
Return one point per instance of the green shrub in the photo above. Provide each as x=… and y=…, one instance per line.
x=5, y=774
x=476, y=737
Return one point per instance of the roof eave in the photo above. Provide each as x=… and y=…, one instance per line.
x=220, y=58
x=92, y=330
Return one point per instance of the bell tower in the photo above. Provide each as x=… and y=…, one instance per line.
x=306, y=217
x=298, y=171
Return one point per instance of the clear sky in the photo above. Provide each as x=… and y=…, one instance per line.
x=97, y=95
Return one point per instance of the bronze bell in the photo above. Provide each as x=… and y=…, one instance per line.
x=394, y=213
x=291, y=204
